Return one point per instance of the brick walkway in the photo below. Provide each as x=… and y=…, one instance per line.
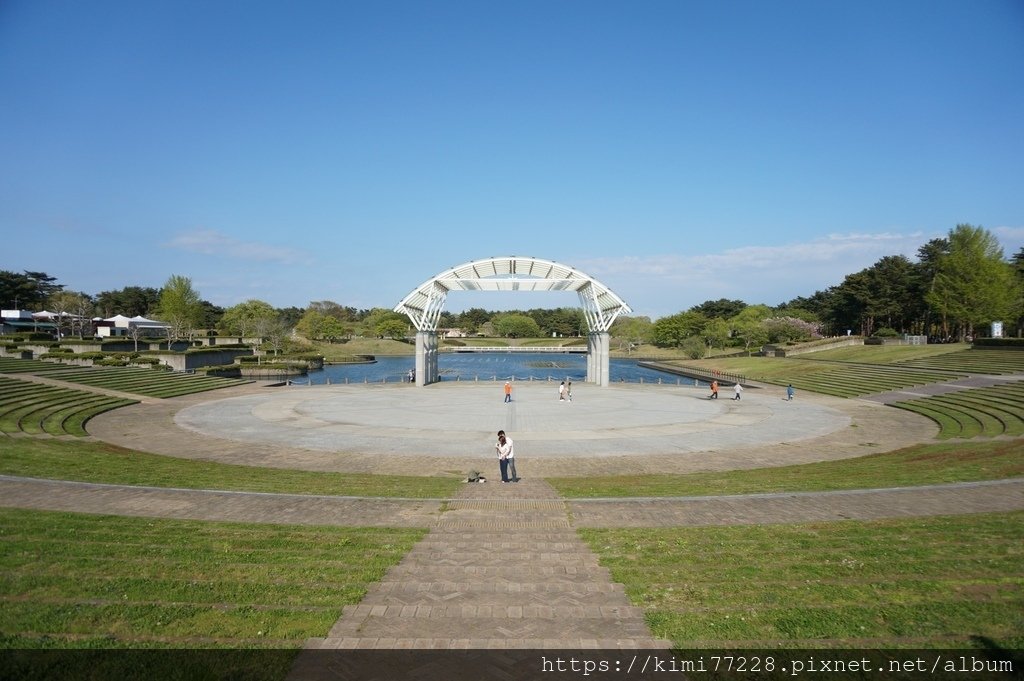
x=490, y=504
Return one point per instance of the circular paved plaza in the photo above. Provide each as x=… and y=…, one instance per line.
x=449, y=428
x=461, y=420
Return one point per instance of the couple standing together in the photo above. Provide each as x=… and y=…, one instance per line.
x=506, y=458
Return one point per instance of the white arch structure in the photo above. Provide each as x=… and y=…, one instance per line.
x=512, y=273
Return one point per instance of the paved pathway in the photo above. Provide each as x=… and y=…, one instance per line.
x=491, y=500
x=943, y=388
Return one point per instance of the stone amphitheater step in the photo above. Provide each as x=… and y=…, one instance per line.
x=427, y=643
x=500, y=569
x=499, y=594
x=510, y=622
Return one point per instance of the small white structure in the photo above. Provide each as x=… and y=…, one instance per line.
x=119, y=325
x=16, y=314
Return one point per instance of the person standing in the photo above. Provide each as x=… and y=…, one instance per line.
x=739, y=390
x=714, y=390
x=789, y=392
x=568, y=391
x=508, y=391
x=561, y=392
x=506, y=457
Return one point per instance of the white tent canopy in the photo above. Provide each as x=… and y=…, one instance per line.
x=142, y=322
x=122, y=322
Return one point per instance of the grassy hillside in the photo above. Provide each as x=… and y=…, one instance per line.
x=776, y=369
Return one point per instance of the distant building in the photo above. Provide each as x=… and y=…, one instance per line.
x=15, y=321
x=119, y=325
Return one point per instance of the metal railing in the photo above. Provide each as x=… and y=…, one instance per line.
x=706, y=375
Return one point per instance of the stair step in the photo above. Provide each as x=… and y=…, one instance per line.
x=490, y=627
x=469, y=610
x=431, y=643
x=545, y=587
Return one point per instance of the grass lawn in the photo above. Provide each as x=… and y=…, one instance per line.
x=924, y=464
x=362, y=346
x=920, y=583
x=78, y=580
x=102, y=462
x=786, y=369
x=886, y=354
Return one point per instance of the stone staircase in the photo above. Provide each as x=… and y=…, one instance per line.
x=501, y=569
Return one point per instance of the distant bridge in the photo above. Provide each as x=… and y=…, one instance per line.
x=564, y=349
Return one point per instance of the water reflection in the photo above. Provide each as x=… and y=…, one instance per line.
x=493, y=366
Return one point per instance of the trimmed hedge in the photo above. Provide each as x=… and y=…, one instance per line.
x=217, y=348
x=1007, y=343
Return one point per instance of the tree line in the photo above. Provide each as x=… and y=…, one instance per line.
x=956, y=288
x=958, y=285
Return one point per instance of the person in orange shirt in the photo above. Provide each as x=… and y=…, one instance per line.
x=508, y=391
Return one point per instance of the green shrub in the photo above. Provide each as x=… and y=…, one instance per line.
x=111, y=361
x=694, y=348
x=95, y=355
x=886, y=332
x=1010, y=343
x=216, y=348
x=221, y=371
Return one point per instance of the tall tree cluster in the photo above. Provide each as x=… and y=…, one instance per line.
x=958, y=286
x=27, y=290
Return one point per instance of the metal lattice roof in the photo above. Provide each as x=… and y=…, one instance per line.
x=512, y=273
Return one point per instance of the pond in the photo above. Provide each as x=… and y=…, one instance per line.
x=493, y=366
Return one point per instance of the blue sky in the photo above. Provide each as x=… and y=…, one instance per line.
x=677, y=151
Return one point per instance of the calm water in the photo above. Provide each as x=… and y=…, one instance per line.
x=492, y=366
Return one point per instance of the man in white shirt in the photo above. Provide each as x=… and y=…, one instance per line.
x=506, y=458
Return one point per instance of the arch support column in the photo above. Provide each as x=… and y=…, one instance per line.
x=598, y=344
x=426, y=358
